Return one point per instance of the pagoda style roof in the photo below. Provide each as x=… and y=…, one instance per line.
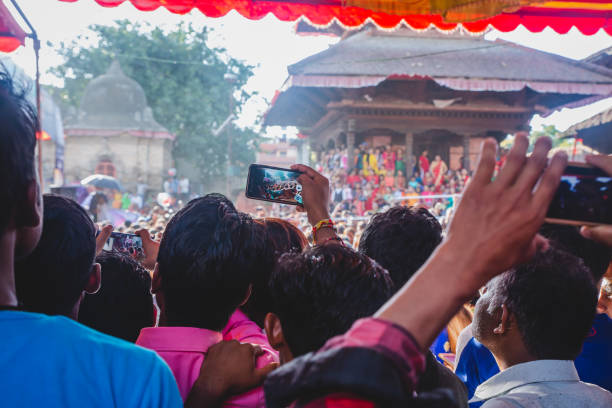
x=114, y=104
x=459, y=61
x=595, y=131
x=455, y=66
x=603, y=58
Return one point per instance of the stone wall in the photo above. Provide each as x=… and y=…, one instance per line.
x=136, y=159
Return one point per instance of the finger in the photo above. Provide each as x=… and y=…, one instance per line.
x=514, y=161
x=529, y=175
x=102, y=237
x=601, y=161
x=262, y=373
x=309, y=171
x=602, y=233
x=549, y=182
x=486, y=163
x=257, y=350
x=143, y=234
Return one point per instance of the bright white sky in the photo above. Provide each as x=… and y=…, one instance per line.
x=269, y=44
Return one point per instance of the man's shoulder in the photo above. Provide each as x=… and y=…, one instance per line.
x=553, y=395
x=51, y=331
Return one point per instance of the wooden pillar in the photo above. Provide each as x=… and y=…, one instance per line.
x=350, y=142
x=466, y=152
x=409, y=152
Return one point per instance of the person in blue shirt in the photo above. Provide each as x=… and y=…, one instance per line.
x=53, y=361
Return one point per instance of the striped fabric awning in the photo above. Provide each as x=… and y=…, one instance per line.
x=588, y=16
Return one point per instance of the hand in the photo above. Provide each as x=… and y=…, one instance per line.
x=150, y=248
x=102, y=237
x=228, y=369
x=315, y=193
x=600, y=233
x=493, y=229
x=495, y=224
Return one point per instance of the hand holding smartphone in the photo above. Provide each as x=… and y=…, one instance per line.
x=274, y=184
x=584, y=197
x=127, y=243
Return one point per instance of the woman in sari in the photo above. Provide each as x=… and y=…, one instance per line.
x=439, y=169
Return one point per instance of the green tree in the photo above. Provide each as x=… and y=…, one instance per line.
x=186, y=84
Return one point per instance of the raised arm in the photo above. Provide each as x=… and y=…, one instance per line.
x=494, y=228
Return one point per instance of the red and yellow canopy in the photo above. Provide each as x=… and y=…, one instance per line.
x=589, y=16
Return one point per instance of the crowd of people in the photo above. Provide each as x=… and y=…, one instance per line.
x=378, y=178
x=232, y=310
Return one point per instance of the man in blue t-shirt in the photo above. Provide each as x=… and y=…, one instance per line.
x=54, y=361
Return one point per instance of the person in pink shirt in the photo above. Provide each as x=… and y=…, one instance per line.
x=202, y=275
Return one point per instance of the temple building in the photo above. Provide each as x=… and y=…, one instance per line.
x=114, y=133
x=596, y=131
x=416, y=91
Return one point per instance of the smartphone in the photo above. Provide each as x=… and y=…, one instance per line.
x=127, y=243
x=274, y=184
x=583, y=197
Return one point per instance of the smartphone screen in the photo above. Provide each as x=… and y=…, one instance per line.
x=274, y=184
x=583, y=197
x=127, y=243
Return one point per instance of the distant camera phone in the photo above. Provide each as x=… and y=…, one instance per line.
x=127, y=243
x=274, y=184
x=583, y=197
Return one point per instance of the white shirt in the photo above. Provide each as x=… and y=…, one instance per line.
x=541, y=384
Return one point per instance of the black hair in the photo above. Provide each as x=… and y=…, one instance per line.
x=321, y=292
x=277, y=237
x=17, y=145
x=124, y=304
x=205, y=260
x=52, y=278
x=553, y=299
x=596, y=256
x=401, y=239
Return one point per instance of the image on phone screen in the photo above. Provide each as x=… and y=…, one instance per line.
x=127, y=243
x=583, y=196
x=274, y=184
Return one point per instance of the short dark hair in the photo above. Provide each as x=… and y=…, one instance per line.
x=596, y=256
x=553, y=298
x=51, y=279
x=124, y=304
x=17, y=145
x=321, y=292
x=401, y=239
x=277, y=237
x=205, y=260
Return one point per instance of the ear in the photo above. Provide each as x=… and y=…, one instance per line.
x=504, y=321
x=95, y=279
x=274, y=331
x=30, y=212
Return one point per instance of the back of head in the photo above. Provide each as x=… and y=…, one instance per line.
x=124, y=304
x=321, y=292
x=52, y=278
x=595, y=256
x=401, y=240
x=17, y=143
x=205, y=260
x=553, y=299
x=277, y=237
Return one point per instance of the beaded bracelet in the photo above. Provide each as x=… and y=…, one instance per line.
x=340, y=240
x=325, y=223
